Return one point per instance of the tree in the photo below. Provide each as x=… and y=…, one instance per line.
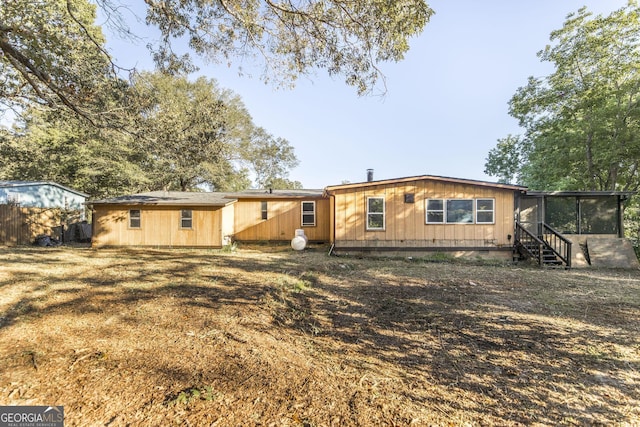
x=344, y=37
x=185, y=135
x=582, y=122
x=198, y=134
x=52, y=52
x=270, y=159
x=55, y=145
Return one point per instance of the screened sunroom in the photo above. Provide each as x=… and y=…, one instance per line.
x=573, y=212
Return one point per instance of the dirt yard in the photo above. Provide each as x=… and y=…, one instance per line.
x=276, y=338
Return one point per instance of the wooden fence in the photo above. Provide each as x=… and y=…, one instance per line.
x=21, y=226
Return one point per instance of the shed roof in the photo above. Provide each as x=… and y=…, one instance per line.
x=169, y=198
x=425, y=178
x=18, y=184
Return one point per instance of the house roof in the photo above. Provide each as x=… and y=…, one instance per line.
x=275, y=194
x=624, y=194
x=425, y=178
x=17, y=184
x=169, y=198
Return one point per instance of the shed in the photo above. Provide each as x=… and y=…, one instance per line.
x=164, y=219
x=423, y=213
x=41, y=194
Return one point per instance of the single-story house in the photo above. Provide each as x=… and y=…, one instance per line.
x=208, y=219
x=163, y=218
x=423, y=213
x=412, y=215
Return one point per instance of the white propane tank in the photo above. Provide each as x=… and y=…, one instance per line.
x=299, y=242
x=300, y=232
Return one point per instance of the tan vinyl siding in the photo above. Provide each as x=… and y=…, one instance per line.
x=159, y=226
x=405, y=223
x=284, y=217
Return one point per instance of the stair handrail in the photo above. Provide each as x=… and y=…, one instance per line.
x=529, y=238
x=560, y=245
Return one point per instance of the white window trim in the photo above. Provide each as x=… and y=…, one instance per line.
x=493, y=211
x=384, y=215
x=426, y=211
x=264, y=210
x=139, y=219
x=475, y=211
x=302, y=213
x=182, y=218
x=446, y=213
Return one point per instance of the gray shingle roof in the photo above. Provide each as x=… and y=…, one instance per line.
x=274, y=194
x=169, y=198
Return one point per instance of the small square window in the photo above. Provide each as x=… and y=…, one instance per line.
x=485, y=211
x=134, y=218
x=186, y=218
x=435, y=211
x=409, y=198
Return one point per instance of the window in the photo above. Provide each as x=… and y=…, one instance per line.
x=485, y=211
x=435, y=211
x=186, y=218
x=263, y=209
x=134, y=218
x=459, y=211
x=409, y=198
x=308, y=214
x=375, y=213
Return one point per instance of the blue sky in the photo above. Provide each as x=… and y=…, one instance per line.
x=446, y=103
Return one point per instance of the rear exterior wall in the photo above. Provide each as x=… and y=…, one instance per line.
x=284, y=217
x=161, y=226
x=405, y=223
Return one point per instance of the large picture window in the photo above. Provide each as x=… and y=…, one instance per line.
x=308, y=214
x=375, y=213
x=459, y=211
x=186, y=218
x=485, y=211
x=134, y=218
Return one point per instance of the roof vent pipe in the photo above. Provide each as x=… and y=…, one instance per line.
x=369, y=175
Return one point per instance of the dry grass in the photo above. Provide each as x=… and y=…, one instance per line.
x=196, y=337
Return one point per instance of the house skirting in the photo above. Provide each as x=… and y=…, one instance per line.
x=505, y=252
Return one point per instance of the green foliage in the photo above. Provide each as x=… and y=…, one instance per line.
x=181, y=135
x=193, y=394
x=57, y=146
x=51, y=52
x=582, y=122
x=504, y=159
x=343, y=37
x=199, y=134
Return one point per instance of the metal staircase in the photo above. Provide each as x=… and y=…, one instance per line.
x=549, y=248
